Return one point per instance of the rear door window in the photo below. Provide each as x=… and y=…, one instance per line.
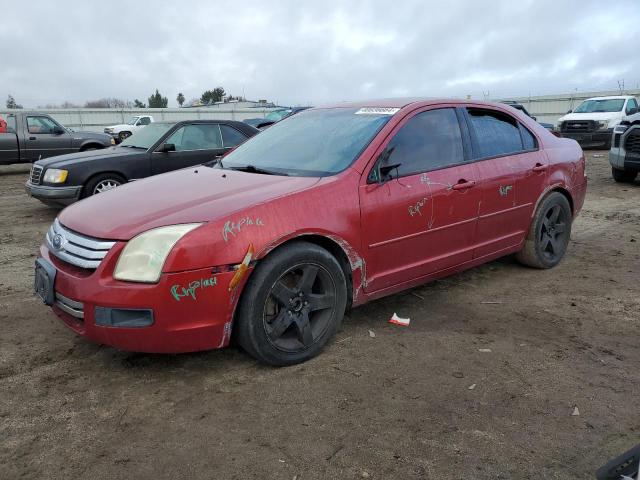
x=429, y=141
x=528, y=140
x=230, y=136
x=11, y=124
x=494, y=133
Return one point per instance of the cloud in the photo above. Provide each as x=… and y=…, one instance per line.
x=312, y=52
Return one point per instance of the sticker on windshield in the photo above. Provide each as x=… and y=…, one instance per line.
x=377, y=111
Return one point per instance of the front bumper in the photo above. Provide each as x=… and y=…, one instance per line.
x=600, y=138
x=182, y=322
x=54, y=195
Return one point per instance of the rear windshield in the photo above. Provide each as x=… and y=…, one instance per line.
x=593, y=106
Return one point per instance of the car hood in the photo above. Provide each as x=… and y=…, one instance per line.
x=591, y=116
x=88, y=156
x=200, y=194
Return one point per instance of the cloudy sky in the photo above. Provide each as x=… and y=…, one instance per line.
x=300, y=52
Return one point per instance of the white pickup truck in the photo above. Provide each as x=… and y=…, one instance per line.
x=120, y=132
x=592, y=123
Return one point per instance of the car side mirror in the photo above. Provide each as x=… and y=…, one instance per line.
x=58, y=130
x=535, y=118
x=385, y=172
x=167, y=147
x=570, y=111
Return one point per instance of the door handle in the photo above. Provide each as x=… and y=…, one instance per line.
x=463, y=185
x=539, y=167
x=33, y=138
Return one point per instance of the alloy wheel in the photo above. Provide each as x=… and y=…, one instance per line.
x=299, y=307
x=105, y=185
x=553, y=232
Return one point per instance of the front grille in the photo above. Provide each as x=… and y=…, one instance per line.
x=632, y=141
x=76, y=249
x=73, y=308
x=35, y=175
x=578, y=126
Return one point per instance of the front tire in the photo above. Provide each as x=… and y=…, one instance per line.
x=102, y=183
x=549, y=233
x=123, y=136
x=292, y=305
x=623, y=176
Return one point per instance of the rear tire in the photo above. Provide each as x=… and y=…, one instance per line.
x=102, y=183
x=549, y=233
x=623, y=176
x=292, y=305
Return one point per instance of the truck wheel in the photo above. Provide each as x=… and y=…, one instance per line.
x=124, y=135
x=292, y=305
x=101, y=183
x=623, y=176
x=549, y=234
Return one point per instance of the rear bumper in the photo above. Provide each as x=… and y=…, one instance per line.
x=595, y=139
x=56, y=195
x=183, y=319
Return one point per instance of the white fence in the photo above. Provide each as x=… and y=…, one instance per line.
x=549, y=108
x=96, y=119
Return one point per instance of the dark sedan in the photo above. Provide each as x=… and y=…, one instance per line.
x=158, y=148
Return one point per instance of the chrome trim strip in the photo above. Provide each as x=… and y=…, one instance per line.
x=76, y=249
x=73, y=308
x=81, y=240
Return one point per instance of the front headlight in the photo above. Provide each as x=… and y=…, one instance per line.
x=113, y=141
x=143, y=257
x=603, y=124
x=54, y=175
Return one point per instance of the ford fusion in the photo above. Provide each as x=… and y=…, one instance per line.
x=327, y=209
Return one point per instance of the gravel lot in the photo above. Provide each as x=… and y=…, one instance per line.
x=482, y=384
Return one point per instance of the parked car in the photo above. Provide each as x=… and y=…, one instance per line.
x=592, y=123
x=159, y=148
x=273, y=117
x=519, y=106
x=31, y=135
x=3, y=125
x=624, y=155
x=336, y=206
x=125, y=130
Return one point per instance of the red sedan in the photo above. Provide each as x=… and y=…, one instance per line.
x=330, y=208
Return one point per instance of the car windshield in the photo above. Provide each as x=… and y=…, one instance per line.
x=313, y=143
x=147, y=136
x=591, y=106
x=132, y=121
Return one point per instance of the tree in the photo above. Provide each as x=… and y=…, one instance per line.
x=108, y=103
x=158, y=101
x=11, y=102
x=180, y=99
x=138, y=104
x=212, y=96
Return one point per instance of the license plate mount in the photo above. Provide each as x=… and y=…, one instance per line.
x=43, y=285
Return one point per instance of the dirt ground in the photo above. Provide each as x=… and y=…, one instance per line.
x=424, y=401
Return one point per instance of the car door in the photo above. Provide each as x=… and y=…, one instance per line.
x=507, y=172
x=44, y=138
x=423, y=219
x=194, y=144
x=9, y=148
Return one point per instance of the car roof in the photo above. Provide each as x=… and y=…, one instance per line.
x=402, y=103
x=611, y=97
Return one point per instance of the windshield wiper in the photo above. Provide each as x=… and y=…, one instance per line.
x=254, y=169
x=132, y=146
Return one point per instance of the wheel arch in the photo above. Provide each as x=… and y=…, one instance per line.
x=106, y=172
x=91, y=144
x=337, y=247
x=556, y=188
